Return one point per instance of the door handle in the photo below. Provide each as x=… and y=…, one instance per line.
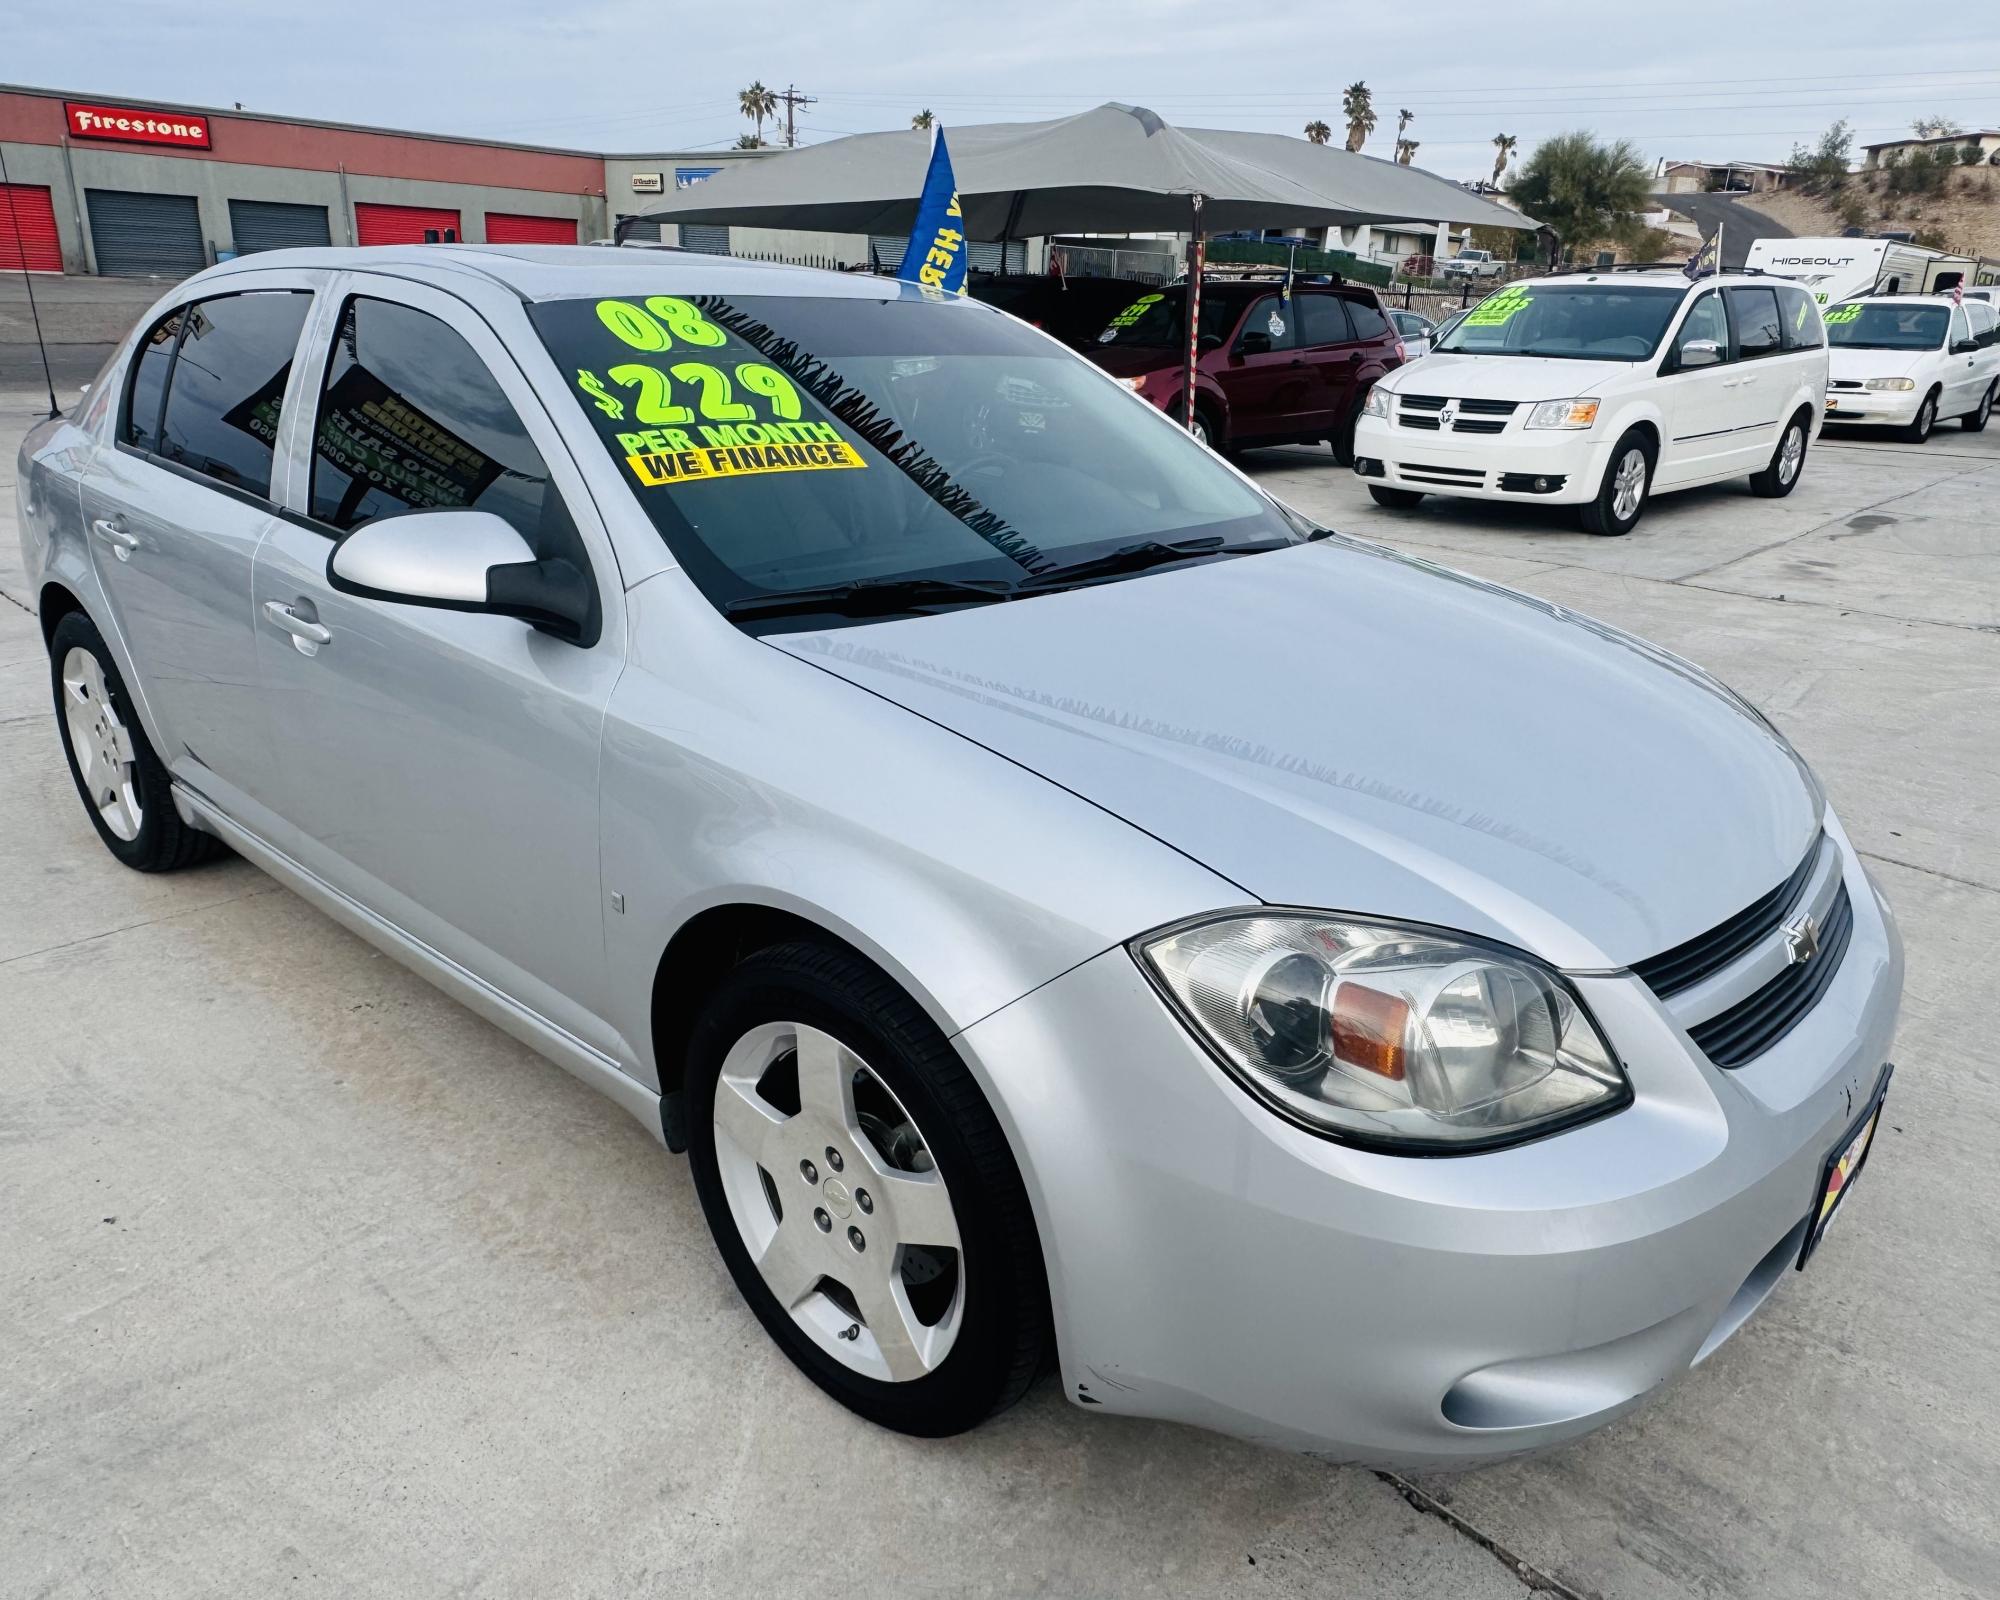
x=112, y=533
x=307, y=635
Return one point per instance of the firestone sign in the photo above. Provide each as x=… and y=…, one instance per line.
x=185, y=128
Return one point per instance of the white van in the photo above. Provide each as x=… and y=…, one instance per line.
x=1598, y=389
x=1844, y=269
x=1906, y=361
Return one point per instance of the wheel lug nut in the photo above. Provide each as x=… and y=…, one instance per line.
x=833, y=1158
x=865, y=1201
x=854, y=1238
x=821, y=1220
x=809, y=1172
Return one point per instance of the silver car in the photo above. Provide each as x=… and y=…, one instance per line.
x=1071, y=910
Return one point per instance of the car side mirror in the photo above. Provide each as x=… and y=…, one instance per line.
x=1254, y=344
x=1698, y=353
x=1209, y=341
x=1965, y=347
x=460, y=561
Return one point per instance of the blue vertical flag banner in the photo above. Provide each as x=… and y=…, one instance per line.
x=1706, y=261
x=936, y=256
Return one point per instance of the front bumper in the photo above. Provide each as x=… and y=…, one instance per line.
x=1895, y=407
x=1211, y=1264
x=1487, y=466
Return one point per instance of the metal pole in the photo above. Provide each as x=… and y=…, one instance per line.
x=1194, y=257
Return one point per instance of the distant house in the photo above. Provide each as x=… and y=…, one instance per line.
x=1711, y=177
x=1876, y=155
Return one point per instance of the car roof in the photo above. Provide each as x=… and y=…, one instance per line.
x=556, y=271
x=1901, y=299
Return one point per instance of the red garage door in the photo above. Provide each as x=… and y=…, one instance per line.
x=504, y=227
x=28, y=230
x=374, y=224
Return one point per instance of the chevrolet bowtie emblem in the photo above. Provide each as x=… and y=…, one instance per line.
x=1801, y=940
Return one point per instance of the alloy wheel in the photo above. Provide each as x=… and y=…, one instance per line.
x=1791, y=453
x=1628, y=488
x=833, y=1191
x=1926, y=418
x=101, y=744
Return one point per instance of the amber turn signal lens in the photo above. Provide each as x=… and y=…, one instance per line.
x=1368, y=1030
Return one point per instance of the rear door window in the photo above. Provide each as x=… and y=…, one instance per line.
x=1802, y=324
x=1368, y=320
x=147, y=391
x=1759, y=332
x=1323, y=320
x=228, y=386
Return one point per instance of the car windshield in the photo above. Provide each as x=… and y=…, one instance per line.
x=929, y=450
x=1879, y=325
x=1159, y=317
x=1578, y=322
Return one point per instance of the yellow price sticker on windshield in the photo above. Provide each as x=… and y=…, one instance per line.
x=1846, y=313
x=660, y=456
x=1137, y=309
x=1493, y=312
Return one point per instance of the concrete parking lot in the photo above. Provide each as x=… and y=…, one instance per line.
x=310, y=1281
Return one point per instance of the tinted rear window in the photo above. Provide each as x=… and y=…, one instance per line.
x=229, y=385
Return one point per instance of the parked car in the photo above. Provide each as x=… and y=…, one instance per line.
x=1415, y=330
x=1068, y=907
x=1073, y=310
x=1469, y=263
x=1599, y=389
x=1904, y=361
x=1273, y=369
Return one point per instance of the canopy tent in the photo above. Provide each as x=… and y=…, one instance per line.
x=1115, y=169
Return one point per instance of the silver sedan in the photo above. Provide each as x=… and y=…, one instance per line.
x=1071, y=911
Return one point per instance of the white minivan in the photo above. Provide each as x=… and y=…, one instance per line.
x=1903, y=361
x=1599, y=389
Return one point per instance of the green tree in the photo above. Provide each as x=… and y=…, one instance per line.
x=757, y=103
x=1318, y=132
x=1584, y=188
x=924, y=118
x=1822, y=167
x=1357, y=105
x=1503, y=147
x=1935, y=127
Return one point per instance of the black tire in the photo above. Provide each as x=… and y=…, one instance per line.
x=1974, y=421
x=162, y=843
x=1601, y=515
x=1342, y=438
x=1918, y=429
x=1395, y=499
x=1207, y=432
x=1005, y=1336
x=1773, y=483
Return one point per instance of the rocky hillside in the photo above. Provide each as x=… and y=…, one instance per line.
x=1964, y=218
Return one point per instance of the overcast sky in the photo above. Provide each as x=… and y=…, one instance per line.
x=1701, y=78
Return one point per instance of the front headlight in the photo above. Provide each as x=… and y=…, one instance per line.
x=1384, y=1035
x=1563, y=414
x=1890, y=383
x=1376, y=404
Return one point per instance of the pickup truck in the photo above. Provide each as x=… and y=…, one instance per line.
x=1473, y=264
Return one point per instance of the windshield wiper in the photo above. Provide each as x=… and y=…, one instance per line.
x=868, y=597
x=1146, y=553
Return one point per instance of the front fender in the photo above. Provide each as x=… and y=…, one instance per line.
x=736, y=774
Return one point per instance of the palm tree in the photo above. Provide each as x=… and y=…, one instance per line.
x=757, y=103
x=1405, y=148
x=1403, y=121
x=1503, y=147
x=924, y=118
x=1318, y=132
x=1357, y=105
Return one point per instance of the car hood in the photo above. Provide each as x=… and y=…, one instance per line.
x=1523, y=378
x=1339, y=726
x=1858, y=366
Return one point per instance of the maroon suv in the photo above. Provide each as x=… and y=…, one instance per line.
x=1272, y=369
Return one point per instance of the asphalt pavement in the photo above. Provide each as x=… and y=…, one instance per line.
x=1741, y=225
x=312, y=1282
